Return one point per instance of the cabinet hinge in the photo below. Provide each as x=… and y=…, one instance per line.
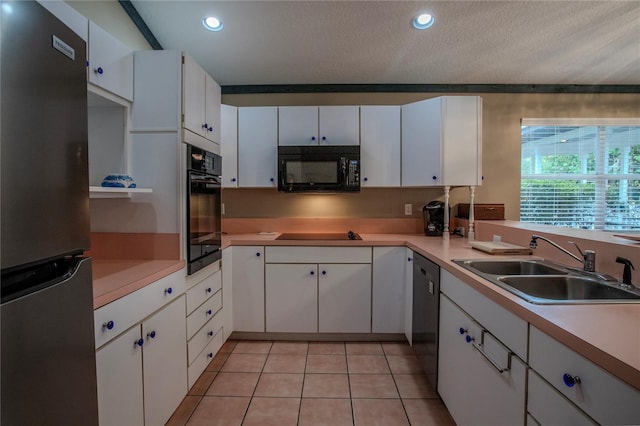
x=182, y=120
x=183, y=59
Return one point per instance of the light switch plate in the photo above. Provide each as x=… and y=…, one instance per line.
x=407, y=209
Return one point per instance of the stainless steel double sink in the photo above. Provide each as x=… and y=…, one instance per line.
x=544, y=282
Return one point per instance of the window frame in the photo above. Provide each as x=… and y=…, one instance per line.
x=599, y=177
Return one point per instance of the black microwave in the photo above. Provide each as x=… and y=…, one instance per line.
x=319, y=168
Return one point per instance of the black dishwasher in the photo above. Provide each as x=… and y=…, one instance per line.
x=426, y=289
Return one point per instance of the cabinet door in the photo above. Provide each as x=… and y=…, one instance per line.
x=248, y=288
x=421, y=139
x=291, y=294
x=380, y=145
x=474, y=391
x=229, y=146
x=388, y=308
x=119, y=374
x=462, y=140
x=344, y=298
x=257, y=147
x=212, y=109
x=110, y=63
x=165, y=362
x=339, y=125
x=193, y=96
x=298, y=125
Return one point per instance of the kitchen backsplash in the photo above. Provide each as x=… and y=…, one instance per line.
x=368, y=203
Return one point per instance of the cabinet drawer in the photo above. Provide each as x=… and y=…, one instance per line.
x=204, y=336
x=601, y=395
x=204, y=358
x=204, y=313
x=206, y=288
x=121, y=314
x=549, y=407
x=318, y=254
x=507, y=327
x=478, y=379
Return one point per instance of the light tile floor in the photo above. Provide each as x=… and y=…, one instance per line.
x=312, y=383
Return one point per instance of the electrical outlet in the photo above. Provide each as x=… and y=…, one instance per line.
x=497, y=238
x=221, y=208
x=407, y=210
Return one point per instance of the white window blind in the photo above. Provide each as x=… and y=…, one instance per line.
x=581, y=173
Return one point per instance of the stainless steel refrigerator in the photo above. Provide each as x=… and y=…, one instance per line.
x=48, y=373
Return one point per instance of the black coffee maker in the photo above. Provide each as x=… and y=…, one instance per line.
x=433, y=216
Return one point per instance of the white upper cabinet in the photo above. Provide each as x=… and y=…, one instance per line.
x=298, y=125
x=339, y=125
x=380, y=146
x=325, y=125
x=442, y=142
x=110, y=63
x=229, y=145
x=257, y=147
x=200, y=101
x=172, y=96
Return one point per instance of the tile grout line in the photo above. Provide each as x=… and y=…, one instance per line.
x=246, y=411
x=397, y=388
x=304, y=375
x=353, y=410
x=195, y=407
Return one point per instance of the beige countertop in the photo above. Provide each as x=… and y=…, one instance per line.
x=607, y=334
x=115, y=278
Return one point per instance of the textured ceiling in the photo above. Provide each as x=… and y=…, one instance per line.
x=372, y=42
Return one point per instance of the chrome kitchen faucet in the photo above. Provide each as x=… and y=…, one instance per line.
x=588, y=257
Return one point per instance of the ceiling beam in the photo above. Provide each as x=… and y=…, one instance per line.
x=429, y=88
x=139, y=22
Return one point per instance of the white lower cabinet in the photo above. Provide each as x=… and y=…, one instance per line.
x=248, y=288
x=388, y=291
x=119, y=373
x=205, y=319
x=291, y=292
x=547, y=406
x=481, y=372
x=591, y=390
x=317, y=289
x=344, y=298
x=480, y=380
x=142, y=374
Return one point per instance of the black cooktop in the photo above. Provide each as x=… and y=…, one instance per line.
x=319, y=236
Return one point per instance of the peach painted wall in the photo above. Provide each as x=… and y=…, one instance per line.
x=502, y=113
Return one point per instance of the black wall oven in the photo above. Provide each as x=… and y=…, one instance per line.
x=204, y=233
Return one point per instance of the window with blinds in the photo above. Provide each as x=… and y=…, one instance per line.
x=581, y=173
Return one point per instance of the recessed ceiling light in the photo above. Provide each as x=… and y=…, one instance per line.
x=212, y=23
x=423, y=21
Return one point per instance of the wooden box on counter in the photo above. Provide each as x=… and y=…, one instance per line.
x=482, y=211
